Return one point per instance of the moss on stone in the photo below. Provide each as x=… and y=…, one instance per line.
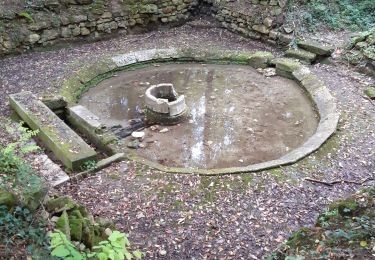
x=370, y=92
x=62, y=224
x=304, y=56
x=60, y=204
x=260, y=59
x=7, y=198
x=286, y=64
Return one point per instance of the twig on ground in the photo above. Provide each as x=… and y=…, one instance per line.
x=339, y=181
x=369, y=99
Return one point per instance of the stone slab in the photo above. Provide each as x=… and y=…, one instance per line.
x=67, y=146
x=84, y=116
x=316, y=48
x=302, y=55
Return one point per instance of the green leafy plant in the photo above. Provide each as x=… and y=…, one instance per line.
x=311, y=15
x=114, y=248
x=19, y=229
x=325, y=217
x=11, y=154
x=62, y=247
x=89, y=165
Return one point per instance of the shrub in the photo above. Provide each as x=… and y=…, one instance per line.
x=335, y=14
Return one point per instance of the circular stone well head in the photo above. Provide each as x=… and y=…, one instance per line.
x=164, y=105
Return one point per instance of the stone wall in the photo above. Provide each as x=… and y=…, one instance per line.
x=27, y=24
x=24, y=25
x=257, y=19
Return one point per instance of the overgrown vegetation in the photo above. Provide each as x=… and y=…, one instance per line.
x=21, y=234
x=312, y=15
x=345, y=230
x=116, y=248
x=15, y=172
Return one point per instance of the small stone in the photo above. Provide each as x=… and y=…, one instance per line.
x=154, y=127
x=164, y=130
x=209, y=142
x=138, y=135
x=54, y=219
x=212, y=97
x=240, y=160
x=85, y=31
x=82, y=247
x=288, y=30
x=140, y=215
x=108, y=231
x=33, y=38
x=162, y=252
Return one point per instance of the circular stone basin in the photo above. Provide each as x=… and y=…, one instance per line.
x=238, y=117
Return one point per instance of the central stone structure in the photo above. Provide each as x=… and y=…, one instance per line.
x=164, y=106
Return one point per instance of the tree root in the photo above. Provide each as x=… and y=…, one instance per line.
x=340, y=181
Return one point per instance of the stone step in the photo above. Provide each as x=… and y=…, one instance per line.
x=302, y=55
x=66, y=145
x=316, y=47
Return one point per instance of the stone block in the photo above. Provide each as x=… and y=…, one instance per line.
x=84, y=117
x=300, y=54
x=67, y=146
x=261, y=28
x=316, y=48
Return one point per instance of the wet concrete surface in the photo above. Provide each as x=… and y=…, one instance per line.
x=238, y=116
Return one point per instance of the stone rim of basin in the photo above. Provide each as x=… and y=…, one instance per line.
x=324, y=101
x=163, y=98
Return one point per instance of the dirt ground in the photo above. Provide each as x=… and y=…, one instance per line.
x=245, y=216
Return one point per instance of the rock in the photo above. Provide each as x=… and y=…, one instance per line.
x=105, y=223
x=82, y=247
x=370, y=92
x=268, y=22
x=34, y=199
x=134, y=144
x=66, y=32
x=316, y=48
x=49, y=35
x=76, y=31
x=164, y=130
x=162, y=252
x=138, y=135
x=301, y=54
x=62, y=224
x=75, y=224
x=106, y=15
x=79, y=18
x=88, y=233
x=288, y=30
x=33, y=38
x=261, y=28
x=60, y=204
x=8, y=199
x=85, y=31
x=108, y=231
x=260, y=59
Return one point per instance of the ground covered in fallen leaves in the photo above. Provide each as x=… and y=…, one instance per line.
x=244, y=216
